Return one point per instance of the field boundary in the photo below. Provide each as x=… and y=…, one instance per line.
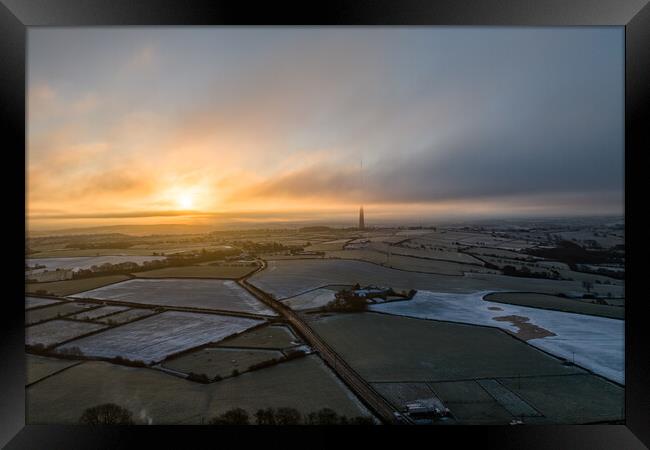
x=552, y=309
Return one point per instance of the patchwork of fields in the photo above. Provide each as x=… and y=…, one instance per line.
x=481, y=374
x=86, y=262
x=154, y=338
x=182, y=344
x=68, y=287
x=289, y=278
x=596, y=343
x=159, y=398
x=207, y=294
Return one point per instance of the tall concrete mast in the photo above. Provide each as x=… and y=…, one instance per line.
x=362, y=223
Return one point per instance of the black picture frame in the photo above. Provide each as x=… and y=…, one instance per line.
x=17, y=15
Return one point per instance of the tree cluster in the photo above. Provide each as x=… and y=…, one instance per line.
x=287, y=416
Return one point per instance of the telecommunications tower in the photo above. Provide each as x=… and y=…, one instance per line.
x=362, y=223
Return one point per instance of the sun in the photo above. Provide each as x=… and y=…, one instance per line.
x=185, y=201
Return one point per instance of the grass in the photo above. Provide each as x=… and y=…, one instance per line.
x=391, y=348
x=273, y=337
x=399, y=394
x=200, y=271
x=69, y=287
x=571, y=399
x=159, y=398
x=556, y=303
x=220, y=362
x=39, y=367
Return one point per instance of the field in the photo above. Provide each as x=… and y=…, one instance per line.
x=399, y=394
x=39, y=367
x=199, y=271
x=288, y=278
x=68, y=287
x=492, y=348
x=126, y=316
x=98, y=312
x=337, y=244
x=310, y=300
x=596, y=343
x=58, y=331
x=556, y=303
x=420, y=350
x=207, y=294
x=471, y=369
x=414, y=264
x=567, y=404
x=155, y=338
x=51, y=312
x=498, y=253
x=89, y=252
x=270, y=336
x=155, y=397
x=33, y=302
x=86, y=262
x=220, y=361
x=548, y=266
x=470, y=403
x=412, y=248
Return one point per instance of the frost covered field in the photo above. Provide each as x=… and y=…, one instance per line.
x=289, y=278
x=56, y=331
x=33, y=302
x=311, y=300
x=596, y=343
x=209, y=294
x=86, y=262
x=154, y=338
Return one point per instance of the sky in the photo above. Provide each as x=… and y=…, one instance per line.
x=271, y=124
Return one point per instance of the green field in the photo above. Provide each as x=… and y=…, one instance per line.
x=199, y=271
x=391, y=348
x=273, y=337
x=556, y=303
x=39, y=367
x=159, y=398
x=571, y=399
x=69, y=287
x=470, y=403
x=465, y=366
x=221, y=362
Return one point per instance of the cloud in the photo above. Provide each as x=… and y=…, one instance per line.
x=143, y=57
x=280, y=118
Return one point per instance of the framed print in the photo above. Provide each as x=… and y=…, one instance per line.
x=395, y=219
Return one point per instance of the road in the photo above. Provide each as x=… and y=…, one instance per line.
x=375, y=402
